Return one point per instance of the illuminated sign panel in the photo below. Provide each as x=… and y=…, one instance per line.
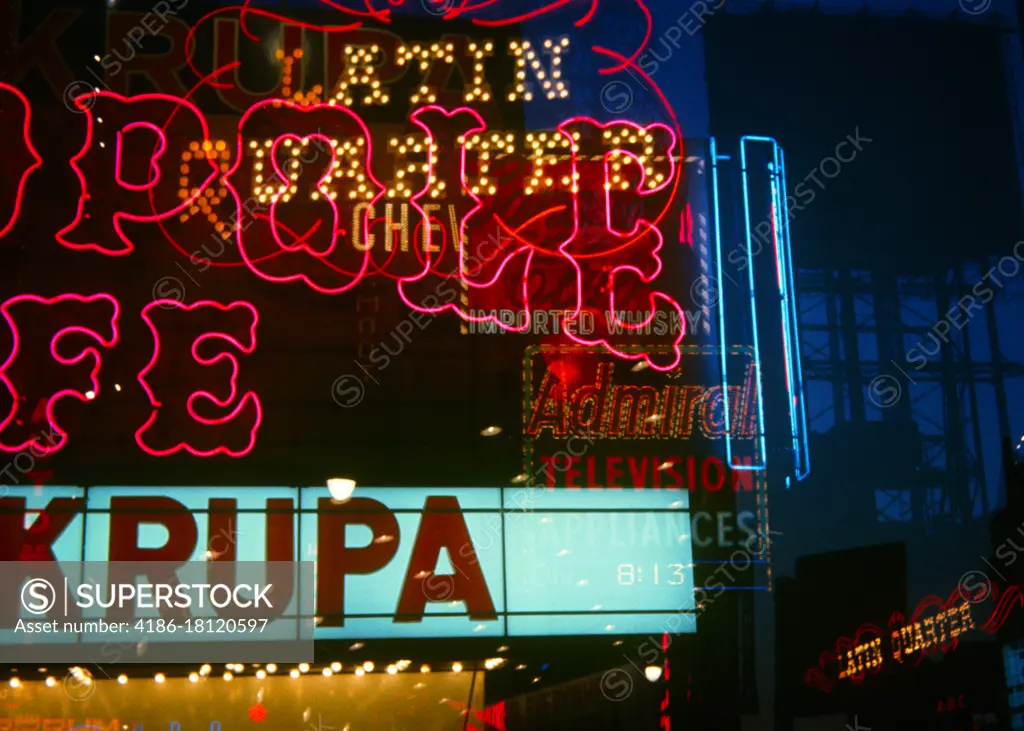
x=400, y=562
x=270, y=191
x=601, y=426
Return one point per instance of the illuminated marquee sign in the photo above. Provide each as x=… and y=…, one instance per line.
x=306, y=195
x=912, y=641
x=296, y=192
x=596, y=424
x=398, y=562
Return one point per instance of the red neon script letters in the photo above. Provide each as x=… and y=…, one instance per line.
x=293, y=205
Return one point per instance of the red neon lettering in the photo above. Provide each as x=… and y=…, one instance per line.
x=338, y=561
x=91, y=307
x=446, y=260
x=20, y=158
x=443, y=527
x=246, y=415
x=570, y=473
x=548, y=411
x=98, y=222
x=610, y=264
x=623, y=249
x=639, y=476
x=286, y=246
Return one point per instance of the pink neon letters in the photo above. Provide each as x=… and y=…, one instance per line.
x=20, y=414
x=243, y=416
x=290, y=244
x=114, y=122
x=237, y=425
x=19, y=160
x=297, y=193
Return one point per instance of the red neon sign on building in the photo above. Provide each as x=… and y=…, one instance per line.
x=306, y=199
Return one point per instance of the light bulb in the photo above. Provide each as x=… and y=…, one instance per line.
x=193, y=677
x=159, y=677
x=341, y=489
x=653, y=672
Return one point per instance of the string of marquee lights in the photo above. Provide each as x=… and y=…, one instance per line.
x=262, y=671
x=384, y=15
x=314, y=97
x=80, y=678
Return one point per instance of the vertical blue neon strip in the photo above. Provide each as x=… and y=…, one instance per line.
x=803, y=453
x=753, y=303
x=779, y=207
x=721, y=301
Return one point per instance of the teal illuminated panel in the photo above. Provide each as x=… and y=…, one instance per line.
x=406, y=562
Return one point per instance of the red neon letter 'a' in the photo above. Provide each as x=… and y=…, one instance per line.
x=20, y=157
x=126, y=150
x=71, y=365
x=170, y=366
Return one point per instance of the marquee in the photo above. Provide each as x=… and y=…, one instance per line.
x=399, y=562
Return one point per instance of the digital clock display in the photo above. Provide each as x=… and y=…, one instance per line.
x=673, y=574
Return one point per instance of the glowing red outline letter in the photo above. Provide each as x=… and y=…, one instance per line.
x=106, y=342
x=249, y=396
x=97, y=223
x=21, y=114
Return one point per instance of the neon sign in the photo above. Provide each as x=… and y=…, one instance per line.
x=15, y=120
x=290, y=209
x=921, y=636
x=22, y=364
